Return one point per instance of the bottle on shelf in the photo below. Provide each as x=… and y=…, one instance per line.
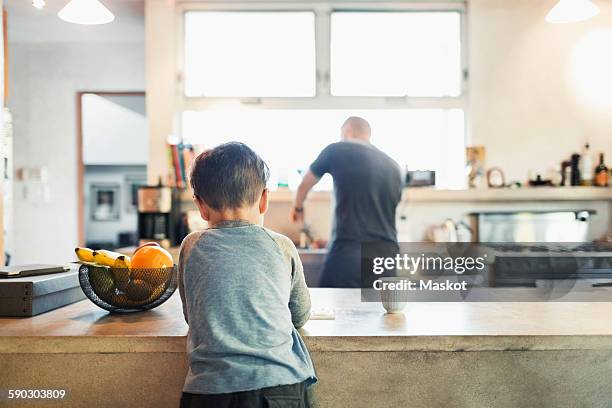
x=566, y=172
x=575, y=170
x=586, y=170
x=601, y=173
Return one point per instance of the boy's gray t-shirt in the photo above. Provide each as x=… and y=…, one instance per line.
x=243, y=293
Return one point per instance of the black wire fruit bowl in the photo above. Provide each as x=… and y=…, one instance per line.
x=121, y=290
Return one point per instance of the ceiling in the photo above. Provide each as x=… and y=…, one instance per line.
x=27, y=24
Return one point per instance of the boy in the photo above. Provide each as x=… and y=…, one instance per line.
x=243, y=292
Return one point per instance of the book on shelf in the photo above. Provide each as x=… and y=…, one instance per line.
x=180, y=157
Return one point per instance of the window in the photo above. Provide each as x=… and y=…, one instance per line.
x=396, y=54
x=283, y=80
x=249, y=54
x=290, y=139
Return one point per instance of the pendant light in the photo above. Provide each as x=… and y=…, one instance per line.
x=39, y=4
x=86, y=12
x=571, y=11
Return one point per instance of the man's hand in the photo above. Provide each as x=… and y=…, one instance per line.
x=296, y=214
x=297, y=211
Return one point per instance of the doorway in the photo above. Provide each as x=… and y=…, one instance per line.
x=112, y=163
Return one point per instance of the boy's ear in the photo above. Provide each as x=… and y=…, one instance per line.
x=203, y=208
x=263, y=201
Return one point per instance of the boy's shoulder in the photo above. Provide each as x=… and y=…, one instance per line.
x=189, y=242
x=285, y=244
x=192, y=237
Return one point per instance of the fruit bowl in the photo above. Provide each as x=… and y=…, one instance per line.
x=121, y=290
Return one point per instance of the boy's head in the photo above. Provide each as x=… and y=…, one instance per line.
x=229, y=182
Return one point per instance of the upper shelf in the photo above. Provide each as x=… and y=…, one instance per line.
x=426, y=194
x=278, y=196
x=508, y=194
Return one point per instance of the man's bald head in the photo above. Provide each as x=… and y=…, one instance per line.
x=356, y=128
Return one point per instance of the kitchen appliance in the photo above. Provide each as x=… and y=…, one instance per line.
x=155, y=215
x=32, y=295
x=420, y=178
x=533, y=264
x=531, y=226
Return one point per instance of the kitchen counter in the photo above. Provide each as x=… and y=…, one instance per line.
x=463, y=340
x=358, y=326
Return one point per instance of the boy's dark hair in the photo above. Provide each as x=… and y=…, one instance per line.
x=229, y=176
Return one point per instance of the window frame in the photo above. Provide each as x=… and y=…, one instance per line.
x=323, y=99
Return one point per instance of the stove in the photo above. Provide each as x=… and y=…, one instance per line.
x=524, y=264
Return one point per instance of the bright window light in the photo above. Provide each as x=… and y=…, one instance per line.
x=396, y=54
x=290, y=139
x=249, y=54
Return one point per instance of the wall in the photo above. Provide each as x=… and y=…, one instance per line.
x=538, y=91
x=161, y=82
x=44, y=80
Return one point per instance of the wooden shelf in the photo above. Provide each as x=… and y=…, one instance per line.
x=279, y=196
x=507, y=194
x=426, y=194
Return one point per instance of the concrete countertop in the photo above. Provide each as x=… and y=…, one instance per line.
x=84, y=328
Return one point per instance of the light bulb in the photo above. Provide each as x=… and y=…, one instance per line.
x=86, y=12
x=39, y=4
x=571, y=11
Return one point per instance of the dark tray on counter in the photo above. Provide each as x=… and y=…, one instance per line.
x=29, y=296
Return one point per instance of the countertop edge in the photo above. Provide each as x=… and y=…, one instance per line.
x=436, y=343
x=428, y=195
x=432, y=194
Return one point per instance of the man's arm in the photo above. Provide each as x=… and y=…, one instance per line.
x=308, y=182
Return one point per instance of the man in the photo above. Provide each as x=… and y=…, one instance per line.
x=367, y=188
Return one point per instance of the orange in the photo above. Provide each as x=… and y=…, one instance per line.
x=151, y=257
x=152, y=264
x=146, y=244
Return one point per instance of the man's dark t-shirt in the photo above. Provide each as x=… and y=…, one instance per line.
x=367, y=188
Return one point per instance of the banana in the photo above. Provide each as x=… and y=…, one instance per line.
x=104, y=257
x=123, y=262
x=84, y=254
